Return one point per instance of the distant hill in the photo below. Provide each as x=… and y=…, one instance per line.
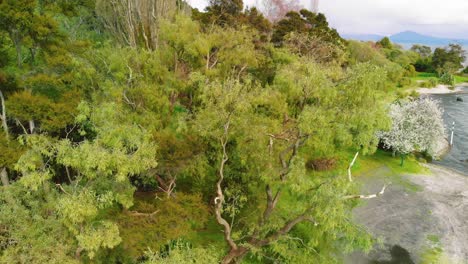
x=409, y=37
x=363, y=37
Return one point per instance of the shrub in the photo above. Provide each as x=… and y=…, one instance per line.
x=447, y=78
x=410, y=71
x=429, y=83
x=404, y=82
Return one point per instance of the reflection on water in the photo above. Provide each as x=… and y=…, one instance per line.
x=456, y=111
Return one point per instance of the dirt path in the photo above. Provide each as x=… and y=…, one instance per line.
x=410, y=222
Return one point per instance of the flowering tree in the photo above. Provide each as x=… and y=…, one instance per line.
x=417, y=126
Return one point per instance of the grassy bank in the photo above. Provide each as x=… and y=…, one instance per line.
x=426, y=76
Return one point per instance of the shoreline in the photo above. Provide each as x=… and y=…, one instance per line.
x=414, y=221
x=443, y=89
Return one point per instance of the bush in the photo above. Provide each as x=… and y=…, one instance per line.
x=447, y=78
x=404, y=82
x=429, y=83
x=410, y=71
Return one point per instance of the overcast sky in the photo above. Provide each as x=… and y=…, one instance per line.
x=444, y=18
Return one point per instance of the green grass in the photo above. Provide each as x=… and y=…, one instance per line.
x=433, y=238
x=461, y=79
x=424, y=76
x=383, y=158
x=367, y=166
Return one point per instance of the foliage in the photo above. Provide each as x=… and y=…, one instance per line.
x=306, y=22
x=449, y=59
x=447, y=78
x=122, y=122
x=385, y=43
x=175, y=218
x=416, y=126
x=182, y=253
x=429, y=83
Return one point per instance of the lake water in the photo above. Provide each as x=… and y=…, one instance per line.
x=456, y=111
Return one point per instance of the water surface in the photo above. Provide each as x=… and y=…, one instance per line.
x=456, y=111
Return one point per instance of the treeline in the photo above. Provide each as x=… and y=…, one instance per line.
x=137, y=131
x=444, y=62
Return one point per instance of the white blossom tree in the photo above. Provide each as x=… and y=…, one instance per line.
x=417, y=126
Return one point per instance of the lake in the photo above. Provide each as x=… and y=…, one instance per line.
x=456, y=111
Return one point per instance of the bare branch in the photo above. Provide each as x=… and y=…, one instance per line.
x=21, y=125
x=61, y=188
x=371, y=196
x=351, y=165
x=3, y=114
x=136, y=213
x=219, y=200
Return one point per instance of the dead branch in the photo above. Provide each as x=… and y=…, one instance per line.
x=136, y=213
x=371, y=196
x=21, y=125
x=3, y=114
x=62, y=189
x=351, y=165
x=166, y=188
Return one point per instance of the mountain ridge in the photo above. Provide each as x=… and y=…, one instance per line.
x=408, y=37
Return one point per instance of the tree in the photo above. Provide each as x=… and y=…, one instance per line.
x=136, y=23
x=416, y=126
x=275, y=10
x=97, y=177
x=305, y=22
x=423, y=51
x=385, y=43
x=314, y=47
x=16, y=19
x=449, y=59
x=242, y=118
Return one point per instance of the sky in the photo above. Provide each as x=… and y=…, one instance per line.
x=442, y=18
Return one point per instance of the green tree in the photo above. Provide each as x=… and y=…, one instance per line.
x=423, y=51
x=306, y=22
x=449, y=59
x=385, y=43
x=242, y=118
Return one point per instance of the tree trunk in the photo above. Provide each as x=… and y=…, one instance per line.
x=402, y=156
x=235, y=255
x=19, y=57
x=32, y=126
x=4, y=177
x=3, y=115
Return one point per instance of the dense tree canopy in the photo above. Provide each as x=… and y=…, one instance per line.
x=134, y=131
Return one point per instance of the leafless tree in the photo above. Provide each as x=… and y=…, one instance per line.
x=136, y=22
x=275, y=10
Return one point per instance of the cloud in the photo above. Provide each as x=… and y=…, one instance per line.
x=446, y=18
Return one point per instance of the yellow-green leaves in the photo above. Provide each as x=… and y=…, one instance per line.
x=98, y=235
x=34, y=168
x=78, y=208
